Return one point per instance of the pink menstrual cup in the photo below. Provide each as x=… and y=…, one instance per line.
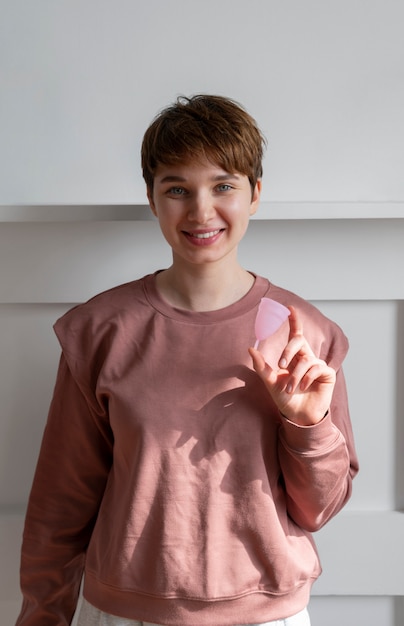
x=270, y=317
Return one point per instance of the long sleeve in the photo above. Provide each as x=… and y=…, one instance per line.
x=69, y=483
x=318, y=463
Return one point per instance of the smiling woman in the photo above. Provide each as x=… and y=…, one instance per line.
x=182, y=470
x=203, y=213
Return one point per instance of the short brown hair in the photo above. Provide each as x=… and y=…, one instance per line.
x=204, y=126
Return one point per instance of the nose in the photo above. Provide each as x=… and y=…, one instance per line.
x=201, y=208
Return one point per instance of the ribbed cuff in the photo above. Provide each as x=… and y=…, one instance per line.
x=316, y=437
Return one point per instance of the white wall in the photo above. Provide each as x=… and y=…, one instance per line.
x=80, y=80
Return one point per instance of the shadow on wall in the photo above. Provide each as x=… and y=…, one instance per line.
x=399, y=465
x=399, y=611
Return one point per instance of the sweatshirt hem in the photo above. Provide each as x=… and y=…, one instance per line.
x=254, y=607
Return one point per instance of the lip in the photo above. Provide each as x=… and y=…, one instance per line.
x=203, y=237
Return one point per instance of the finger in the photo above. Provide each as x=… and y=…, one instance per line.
x=307, y=372
x=294, y=340
x=257, y=359
x=319, y=372
x=298, y=369
x=297, y=344
x=296, y=347
x=295, y=323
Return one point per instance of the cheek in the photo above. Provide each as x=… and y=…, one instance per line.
x=240, y=217
x=243, y=223
x=164, y=226
x=167, y=227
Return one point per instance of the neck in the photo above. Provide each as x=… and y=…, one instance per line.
x=198, y=288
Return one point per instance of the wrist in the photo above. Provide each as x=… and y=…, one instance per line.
x=304, y=420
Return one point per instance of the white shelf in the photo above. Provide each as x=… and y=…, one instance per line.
x=329, y=210
x=141, y=212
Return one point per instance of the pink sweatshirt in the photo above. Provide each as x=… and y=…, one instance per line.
x=168, y=475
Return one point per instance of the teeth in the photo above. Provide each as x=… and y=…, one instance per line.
x=206, y=235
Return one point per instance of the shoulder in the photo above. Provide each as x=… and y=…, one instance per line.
x=107, y=312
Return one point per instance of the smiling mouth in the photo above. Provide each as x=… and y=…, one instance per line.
x=211, y=233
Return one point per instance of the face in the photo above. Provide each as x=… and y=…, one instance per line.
x=203, y=211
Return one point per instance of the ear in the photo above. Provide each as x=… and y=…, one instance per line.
x=255, y=200
x=151, y=201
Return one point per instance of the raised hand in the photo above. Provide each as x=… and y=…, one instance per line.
x=302, y=386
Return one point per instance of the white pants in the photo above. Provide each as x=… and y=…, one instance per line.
x=90, y=616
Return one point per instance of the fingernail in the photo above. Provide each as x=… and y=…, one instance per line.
x=282, y=363
x=289, y=388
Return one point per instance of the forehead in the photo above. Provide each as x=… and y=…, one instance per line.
x=196, y=169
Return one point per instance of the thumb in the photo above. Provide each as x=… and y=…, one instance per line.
x=259, y=364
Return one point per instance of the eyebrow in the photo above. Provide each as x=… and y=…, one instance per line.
x=180, y=179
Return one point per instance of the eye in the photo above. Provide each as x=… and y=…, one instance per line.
x=176, y=191
x=224, y=187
